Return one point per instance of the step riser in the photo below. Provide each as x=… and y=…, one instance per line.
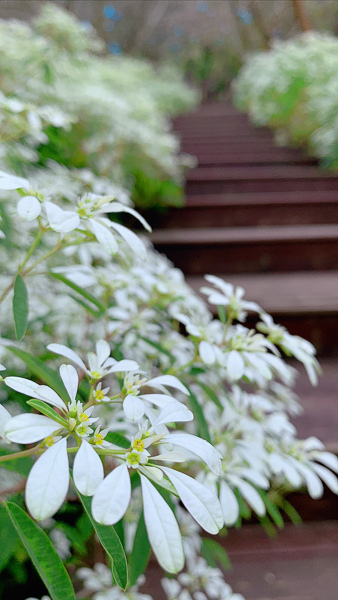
x=243, y=216
x=256, y=186
x=253, y=258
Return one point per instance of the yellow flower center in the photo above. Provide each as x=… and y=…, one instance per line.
x=134, y=458
x=99, y=395
x=138, y=445
x=82, y=430
x=49, y=441
x=98, y=439
x=95, y=375
x=83, y=417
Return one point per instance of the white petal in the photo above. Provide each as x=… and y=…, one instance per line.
x=104, y=236
x=249, y=494
x=46, y=393
x=124, y=365
x=62, y=221
x=170, y=457
x=102, y=351
x=5, y=416
x=160, y=400
x=174, y=412
x=163, y=531
x=201, y=502
x=24, y=386
x=70, y=379
x=235, y=365
x=116, y=207
x=313, y=483
x=328, y=459
x=131, y=239
x=133, y=407
x=29, y=208
x=68, y=353
x=206, y=353
x=327, y=476
x=88, y=469
x=256, y=478
x=48, y=482
x=200, y=447
x=29, y=428
x=229, y=504
x=11, y=182
x=170, y=381
x=112, y=497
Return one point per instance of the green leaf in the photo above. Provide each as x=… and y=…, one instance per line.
x=20, y=307
x=79, y=290
x=43, y=554
x=272, y=509
x=159, y=347
x=21, y=465
x=289, y=510
x=9, y=538
x=47, y=410
x=113, y=437
x=111, y=543
x=222, y=314
x=214, y=553
x=42, y=371
x=210, y=393
x=198, y=413
x=95, y=313
x=140, y=553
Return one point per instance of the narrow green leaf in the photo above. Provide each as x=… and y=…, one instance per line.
x=42, y=371
x=198, y=413
x=95, y=313
x=111, y=543
x=20, y=307
x=289, y=510
x=222, y=314
x=114, y=437
x=9, y=538
x=159, y=347
x=48, y=411
x=140, y=553
x=210, y=393
x=214, y=553
x=272, y=509
x=79, y=290
x=43, y=554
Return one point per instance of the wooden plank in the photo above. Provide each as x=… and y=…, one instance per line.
x=244, y=235
x=259, y=173
x=263, y=198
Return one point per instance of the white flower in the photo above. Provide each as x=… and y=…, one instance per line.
x=100, y=364
x=29, y=208
x=230, y=297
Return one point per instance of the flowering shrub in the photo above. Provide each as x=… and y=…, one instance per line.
x=61, y=100
x=293, y=89
x=130, y=416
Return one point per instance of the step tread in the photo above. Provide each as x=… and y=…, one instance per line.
x=261, y=198
x=259, y=172
x=244, y=235
x=285, y=293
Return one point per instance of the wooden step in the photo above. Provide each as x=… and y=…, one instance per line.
x=250, y=249
x=255, y=209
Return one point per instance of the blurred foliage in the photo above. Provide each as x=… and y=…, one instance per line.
x=293, y=89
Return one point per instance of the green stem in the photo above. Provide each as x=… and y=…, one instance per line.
x=15, y=455
x=31, y=249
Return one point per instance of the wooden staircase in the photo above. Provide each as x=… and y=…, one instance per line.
x=259, y=216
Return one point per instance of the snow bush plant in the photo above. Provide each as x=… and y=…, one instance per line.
x=130, y=417
x=292, y=88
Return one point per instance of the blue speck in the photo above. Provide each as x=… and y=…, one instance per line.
x=202, y=6
x=245, y=16
x=115, y=48
x=175, y=47
x=109, y=11
x=86, y=25
x=116, y=16
x=179, y=31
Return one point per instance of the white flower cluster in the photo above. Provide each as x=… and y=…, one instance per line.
x=293, y=88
